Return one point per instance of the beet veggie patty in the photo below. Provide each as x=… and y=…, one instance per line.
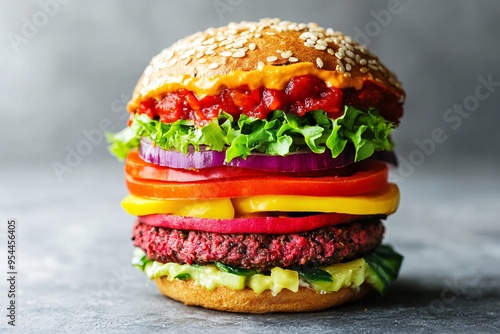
x=320, y=247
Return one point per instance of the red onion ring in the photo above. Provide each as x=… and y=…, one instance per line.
x=294, y=162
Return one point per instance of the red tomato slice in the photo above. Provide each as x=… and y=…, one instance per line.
x=261, y=225
x=371, y=176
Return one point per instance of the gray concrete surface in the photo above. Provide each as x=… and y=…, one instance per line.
x=75, y=248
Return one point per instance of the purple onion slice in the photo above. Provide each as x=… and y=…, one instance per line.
x=294, y=162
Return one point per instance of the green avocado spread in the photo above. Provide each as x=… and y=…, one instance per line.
x=378, y=269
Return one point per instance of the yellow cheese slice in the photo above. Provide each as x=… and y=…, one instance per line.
x=384, y=202
x=213, y=208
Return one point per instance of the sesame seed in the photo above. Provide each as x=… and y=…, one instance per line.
x=226, y=54
x=286, y=54
x=202, y=61
x=364, y=69
x=348, y=67
x=260, y=65
x=320, y=47
x=293, y=59
x=310, y=45
x=270, y=33
x=271, y=59
x=321, y=42
x=350, y=54
x=338, y=55
x=208, y=41
x=349, y=46
x=349, y=60
x=168, y=55
x=213, y=66
x=373, y=67
x=239, y=54
x=363, y=61
x=347, y=75
x=209, y=52
x=257, y=35
x=172, y=62
x=330, y=51
x=252, y=46
x=319, y=62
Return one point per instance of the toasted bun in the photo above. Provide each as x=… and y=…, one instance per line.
x=247, y=301
x=201, y=62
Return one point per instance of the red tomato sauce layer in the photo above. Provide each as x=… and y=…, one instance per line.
x=302, y=94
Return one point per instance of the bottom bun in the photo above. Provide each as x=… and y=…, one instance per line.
x=247, y=301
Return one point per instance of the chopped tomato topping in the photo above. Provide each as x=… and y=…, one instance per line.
x=301, y=95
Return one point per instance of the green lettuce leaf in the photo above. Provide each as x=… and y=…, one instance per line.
x=315, y=275
x=279, y=134
x=235, y=270
x=384, y=265
x=139, y=259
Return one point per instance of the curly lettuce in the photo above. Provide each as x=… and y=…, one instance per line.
x=279, y=134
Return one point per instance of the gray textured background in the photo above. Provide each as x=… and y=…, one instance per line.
x=80, y=66
x=66, y=77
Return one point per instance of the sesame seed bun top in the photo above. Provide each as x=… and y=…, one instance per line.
x=208, y=61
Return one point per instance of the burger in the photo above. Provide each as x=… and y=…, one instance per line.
x=256, y=157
